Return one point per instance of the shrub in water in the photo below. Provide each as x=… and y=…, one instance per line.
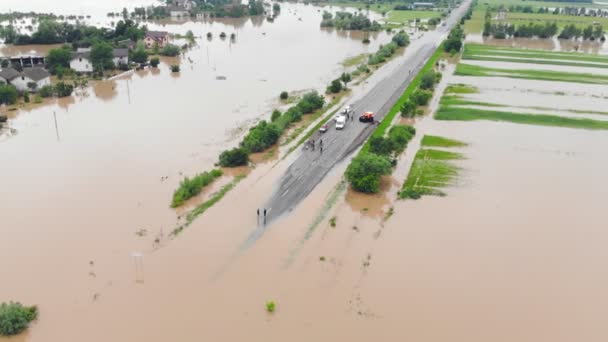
x=234, y=157
x=15, y=318
x=284, y=95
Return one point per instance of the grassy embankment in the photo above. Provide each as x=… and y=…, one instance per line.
x=437, y=141
x=502, y=54
x=190, y=187
x=201, y=208
x=432, y=169
x=543, y=75
x=469, y=114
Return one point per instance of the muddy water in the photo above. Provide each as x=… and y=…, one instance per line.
x=84, y=175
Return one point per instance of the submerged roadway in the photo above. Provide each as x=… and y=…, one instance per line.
x=311, y=166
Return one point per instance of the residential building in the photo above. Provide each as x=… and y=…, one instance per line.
x=30, y=79
x=120, y=56
x=178, y=12
x=152, y=38
x=81, y=61
x=8, y=74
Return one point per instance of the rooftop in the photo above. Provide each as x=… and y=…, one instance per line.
x=157, y=34
x=9, y=73
x=36, y=74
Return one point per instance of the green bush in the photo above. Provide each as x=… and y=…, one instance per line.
x=421, y=97
x=8, y=94
x=189, y=188
x=271, y=306
x=429, y=79
x=365, y=170
x=15, y=318
x=260, y=137
x=381, y=146
x=154, y=62
x=311, y=102
x=170, y=50
x=175, y=68
x=63, y=89
x=408, y=109
x=400, y=136
x=234, y=157
x=26, y=96
x=284, y=95
x=335, y=87
x=401, y=39
x=383, y=53
x=275, y=115
x=46, y=91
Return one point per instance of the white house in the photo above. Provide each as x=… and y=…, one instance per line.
x=178, y=12
x=152, y=38
x=120, y=56
x=81, y=61
x=38, y=77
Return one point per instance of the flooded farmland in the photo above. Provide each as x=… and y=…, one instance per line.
x=513, y=252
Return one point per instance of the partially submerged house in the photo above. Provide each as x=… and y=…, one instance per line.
x=30, y=79
x=81, y=59
x=178, y=12
x=152, y=38
x=120, y=56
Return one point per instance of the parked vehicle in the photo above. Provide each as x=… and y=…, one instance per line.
x=341, y=122
x=367, y=117
x=347, y=110
x=323, y=128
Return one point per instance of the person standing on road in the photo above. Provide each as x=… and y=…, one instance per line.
x=313, y=145
x=321, y=149
x=321, y=143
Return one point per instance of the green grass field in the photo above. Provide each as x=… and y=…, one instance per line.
x=543, y=75
x=469, y=114
x=475, y=25
x=537, y=4
x=405, y=16
x=478, y=51
x=430, y=172
x=437, y=141
x=460, y=89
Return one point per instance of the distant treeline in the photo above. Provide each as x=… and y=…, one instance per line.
x=573, y=11
x=349, y=21
x=53, y=32
x=547, y=30
x=578, y=1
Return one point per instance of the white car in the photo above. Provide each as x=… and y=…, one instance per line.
x=348, y=109
x=341, y=122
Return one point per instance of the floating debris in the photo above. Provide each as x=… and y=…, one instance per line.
x=221, y=78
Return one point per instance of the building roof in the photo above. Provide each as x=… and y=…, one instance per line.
x=9, y=74
x=36, y=74
x=81, y=54
x=120, y=52
x=157, y=34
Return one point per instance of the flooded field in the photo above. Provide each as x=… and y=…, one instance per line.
x=545, y=44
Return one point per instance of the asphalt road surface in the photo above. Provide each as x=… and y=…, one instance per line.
x=313, y=165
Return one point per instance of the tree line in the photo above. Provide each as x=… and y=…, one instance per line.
x=349, y=21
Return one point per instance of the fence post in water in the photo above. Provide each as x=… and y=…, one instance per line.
x=138, y=259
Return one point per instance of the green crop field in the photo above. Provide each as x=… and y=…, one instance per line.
x=430, y=172
x=470, y=114
x=504, y=54
x=543, y=75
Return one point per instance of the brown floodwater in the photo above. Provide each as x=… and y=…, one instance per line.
x=84, y=176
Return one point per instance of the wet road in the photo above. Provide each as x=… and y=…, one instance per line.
x=312, y=166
